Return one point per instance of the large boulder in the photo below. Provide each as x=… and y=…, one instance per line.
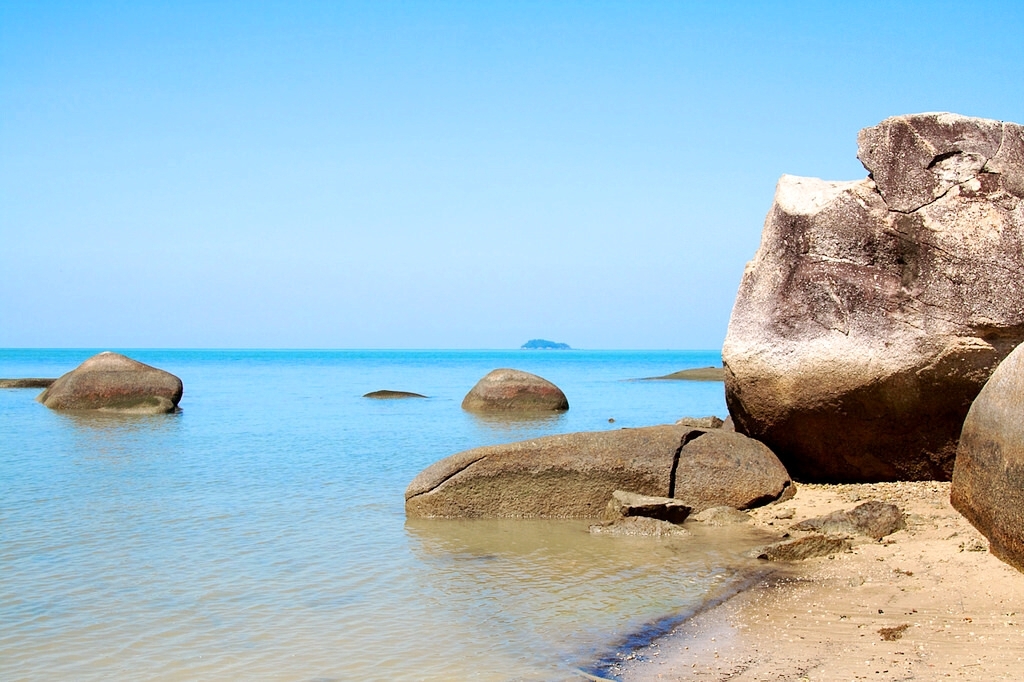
x=512, y=390
x=875, y=310
x=988, y=479
x=574, y=475
x=111, y=382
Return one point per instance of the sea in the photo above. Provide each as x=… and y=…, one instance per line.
x=260, y=533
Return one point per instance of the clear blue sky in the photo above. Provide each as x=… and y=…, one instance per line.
x=438, y=174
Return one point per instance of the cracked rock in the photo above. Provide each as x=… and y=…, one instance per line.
x=575, y=474
x=874, y=310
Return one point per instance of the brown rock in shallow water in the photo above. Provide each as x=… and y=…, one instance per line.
x=111, y=382
x=25, y=383
x=874, y=311
x=512, y=390
x=392, y=395
x=625, y=504
x=873, y=518
x=574, y=475
x=988, y=480
x=639, y=525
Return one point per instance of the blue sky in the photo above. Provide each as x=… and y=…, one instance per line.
x=437, y=174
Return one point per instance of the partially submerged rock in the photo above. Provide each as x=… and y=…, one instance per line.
x=111, y=382
x=988, y=480
x=696, y=374
x=721, y=516
x=625, y=504
x=574, y=475
x=639, y=525
x=512, y=390
x=26, y=383
x=807, y=547
x=392, y=395
x=873, y=518
x=701, y=422
x=875, y=310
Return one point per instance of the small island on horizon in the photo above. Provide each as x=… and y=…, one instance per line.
x=544, y=344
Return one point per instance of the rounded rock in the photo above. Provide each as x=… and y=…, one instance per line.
x=112, y=382
x=512, y=390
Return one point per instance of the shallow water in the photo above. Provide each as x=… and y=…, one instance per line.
x=260, y=533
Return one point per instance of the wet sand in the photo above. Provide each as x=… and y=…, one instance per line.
x=926, y=603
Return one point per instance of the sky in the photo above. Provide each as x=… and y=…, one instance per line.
x=438, y=174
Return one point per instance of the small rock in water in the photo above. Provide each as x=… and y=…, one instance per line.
x=721, y=516
x=639, y=525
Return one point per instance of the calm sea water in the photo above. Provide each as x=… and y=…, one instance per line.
x=260, y=532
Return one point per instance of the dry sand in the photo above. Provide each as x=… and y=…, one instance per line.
x=925, y=603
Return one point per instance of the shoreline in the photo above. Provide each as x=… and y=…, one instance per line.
x=927, y=602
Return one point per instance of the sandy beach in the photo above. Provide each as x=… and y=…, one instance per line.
x=926, y=603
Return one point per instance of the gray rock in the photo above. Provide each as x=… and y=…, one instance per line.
x=875, y=310
x=721, y=516
x=111, y=382
x=625, y=504
x=701, y=422
x=512, y=390
x=873, y=518
x=807, y=547
x=639, y=525
x=988, y=480
x=574, y=475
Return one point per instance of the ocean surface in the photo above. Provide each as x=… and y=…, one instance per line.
x=260, y=532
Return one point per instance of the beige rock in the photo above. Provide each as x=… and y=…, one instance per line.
x=111, y=382
x=574, y=475
x=988, y=479
x=875, y=310
x=512, y=390
x=807, y=547
x=639, y=525
x=625, y=504
x=873, y=518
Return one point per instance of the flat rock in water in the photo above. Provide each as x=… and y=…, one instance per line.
x=26, y=383
x=512, y=390
x=873, y=518
x=721, y=516
x=807, y=547
x=874, y=311
x=392, y=395
x=988, y=479
x=111, y=382
x=697, y=374
x=639, y=525
x=575, y=474
x=625, y=504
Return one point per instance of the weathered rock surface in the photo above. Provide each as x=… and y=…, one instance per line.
x=574, y=475
x=625, y=504
x=25, y=383
x=721, y=516
x=807, y=547
x=639, y=525
x=111, y=382
x=875, y=310
x=701, y=422
x=988, y=480
x=512, y=390
x=873, y=518
x=696, y=374
x=392, y=395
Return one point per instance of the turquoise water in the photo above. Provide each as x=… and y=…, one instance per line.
x=260, y=532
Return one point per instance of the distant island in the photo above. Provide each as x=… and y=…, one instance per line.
x=544, y=344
